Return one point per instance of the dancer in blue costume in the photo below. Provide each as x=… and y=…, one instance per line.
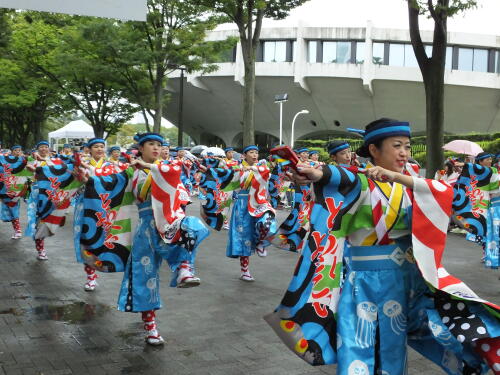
x=43, y=217
x=163, y=231
x=227, y=198
x=477, y=206
x=9, y=211
x=340, y=153
x=95, y=165
x=295, y=227
x=252, y=217
x=114, y=154
x=314, y=158
x=140, y=286
x=393, y=226
x=66, y=155
x=165, y=152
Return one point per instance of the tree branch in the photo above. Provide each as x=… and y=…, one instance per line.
x=416, y=39
x=432, y=11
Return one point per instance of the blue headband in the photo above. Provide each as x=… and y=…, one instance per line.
x=145, y=137
x=165, y=144
x=357, y=131
x=227, y=149
x=113, y=148
x=313, y=152
x=485, y=156
x=334, y=150
x=15, y=147
x=250, y=148
x=387, y=129
x=180, y=149
x=66, y=145
x=95, y=141
x=41, y=143
x=303, y=149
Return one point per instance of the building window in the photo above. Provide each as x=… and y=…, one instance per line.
x=378, y=53
x=480, y=62
x=465, y=59
x=312, y=51
x=497, y=61
x=228, y=55
x=396, y=54
x=428, y=50
x=294, y=51
x=274, y=51
x=329, y=52
x=449, y=58
x=337, y=52
x=344, y=52
x=360, y=52
x=410, y=58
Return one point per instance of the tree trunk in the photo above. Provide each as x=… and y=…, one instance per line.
x=432, y=70
x=37, y=134
x=434, y=95
x=98, y=130
x=158, y=105
x=249, y=104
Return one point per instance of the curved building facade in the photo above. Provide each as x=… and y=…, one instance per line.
x=344, y=77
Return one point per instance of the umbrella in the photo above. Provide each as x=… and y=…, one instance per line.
x=215, y=151
x=462, y=146
x=196, y=150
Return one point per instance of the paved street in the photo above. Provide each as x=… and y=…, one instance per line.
x=49, y=325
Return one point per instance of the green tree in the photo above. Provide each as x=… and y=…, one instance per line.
x=433, y=67
x=248, y=16
x=71, y=53
x=27, y=97
x=5, y=29
x=173, y=37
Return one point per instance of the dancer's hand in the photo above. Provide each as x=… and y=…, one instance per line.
x=385, y=175
x=140, y=164
x=380, y=174
x=305, y=175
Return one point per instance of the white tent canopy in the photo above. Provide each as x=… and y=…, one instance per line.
x=75, y=133
x=75, y=129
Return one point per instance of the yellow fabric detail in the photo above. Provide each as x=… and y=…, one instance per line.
x=97, y=164
x=385, y=187
x=147, y=183
x=395, y=201
x=370, y=240
x=248, y=181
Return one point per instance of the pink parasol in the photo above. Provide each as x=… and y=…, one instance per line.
x=462, y=146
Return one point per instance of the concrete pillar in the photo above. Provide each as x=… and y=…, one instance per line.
x=300, y=66
x=368, y=70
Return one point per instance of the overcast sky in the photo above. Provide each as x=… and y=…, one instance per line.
x=387, y=14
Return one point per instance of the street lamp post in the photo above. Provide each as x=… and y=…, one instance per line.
x=281, y=99
x=304, y=111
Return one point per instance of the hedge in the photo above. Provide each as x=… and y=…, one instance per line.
x=488, y=142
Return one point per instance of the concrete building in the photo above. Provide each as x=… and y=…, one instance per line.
x=344, y=77
x=120, y=9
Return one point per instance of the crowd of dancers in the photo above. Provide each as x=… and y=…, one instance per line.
x=369, y=236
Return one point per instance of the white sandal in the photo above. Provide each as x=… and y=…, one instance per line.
x=155, y=340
